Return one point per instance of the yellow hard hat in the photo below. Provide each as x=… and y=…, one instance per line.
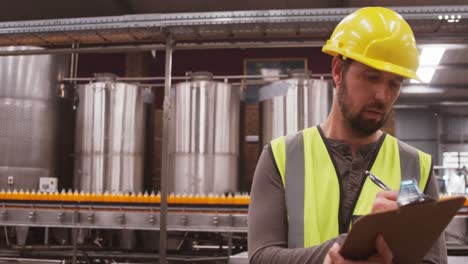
x=378, y=37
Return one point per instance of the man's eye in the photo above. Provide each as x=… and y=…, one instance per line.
x=395, y=84
x=372, y=77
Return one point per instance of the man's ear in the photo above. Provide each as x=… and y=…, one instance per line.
x=337, y=72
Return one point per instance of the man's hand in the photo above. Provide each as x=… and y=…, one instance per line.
x=384, y=201
x=384, y=255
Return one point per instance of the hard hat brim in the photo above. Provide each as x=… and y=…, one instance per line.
x=373, y=63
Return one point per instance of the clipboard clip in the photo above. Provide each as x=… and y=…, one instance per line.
x=409, y=191
x=411, y=194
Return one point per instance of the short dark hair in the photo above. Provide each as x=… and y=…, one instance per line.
x=345, y=64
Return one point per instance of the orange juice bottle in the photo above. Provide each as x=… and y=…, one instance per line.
x=21, y=195
x=33, y=194
x=2, y=194
x=178, y=198
x=202, y=198
x=54, y=196
x=46, y=196
x=210, y=199
x=27, y=195
x=97, y=197
x=183, y=198
x=106, y=197
x=132, y=197
x=139, y=197
x=152, y=198
x=230, y=199
x=171, y=198
x=40, y=196
x=195, y=198
x=237, y=198
x=115, y=197
x=158, y=198
x=146, y=197
x=63, y=195
x=190, y=199
x=247, y=199
x=14, y=194
x=223, y=199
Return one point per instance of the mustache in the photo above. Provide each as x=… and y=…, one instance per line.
x=379, y=106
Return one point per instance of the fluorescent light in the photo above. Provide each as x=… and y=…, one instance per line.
x=449, y=103
x=399, y=106
x=425, y=74
x=430, y=56
x=414, y=89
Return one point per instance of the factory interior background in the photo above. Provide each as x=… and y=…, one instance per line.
x=83, y=117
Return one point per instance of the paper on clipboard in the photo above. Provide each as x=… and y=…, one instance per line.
x=409, y=231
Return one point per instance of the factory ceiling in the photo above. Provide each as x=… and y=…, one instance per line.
x=53, y=9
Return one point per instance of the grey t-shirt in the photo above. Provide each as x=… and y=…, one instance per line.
x=268, y=225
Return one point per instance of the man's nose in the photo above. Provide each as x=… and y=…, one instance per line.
x=382, y=92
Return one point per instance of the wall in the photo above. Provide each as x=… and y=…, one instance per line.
x=454, y=134
x=455, y=128
x=418, y=127
x=433, y=130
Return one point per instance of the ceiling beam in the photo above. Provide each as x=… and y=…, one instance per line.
x=315, y=24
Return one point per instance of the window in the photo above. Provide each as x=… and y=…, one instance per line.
x=454, y=172
x=455, y=159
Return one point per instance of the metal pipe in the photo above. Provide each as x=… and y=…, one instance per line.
x=191, y=46
x=229, y=235
x=245, y=79
x=6, y=236
x=41, y=247
x=27, y=260
x=462, y=138
x=46, y=236
x=101, y=49
x=150, y=47
x=75, y=246
x=72, y=63
x=75, y=68
x=162, y=78
x=250, y=45
x=438, y=138
x=119, y=255
x=165, y=157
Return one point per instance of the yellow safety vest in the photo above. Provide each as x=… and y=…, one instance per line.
x=312, y=187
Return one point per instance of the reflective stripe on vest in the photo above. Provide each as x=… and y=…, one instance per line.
x=312, y=187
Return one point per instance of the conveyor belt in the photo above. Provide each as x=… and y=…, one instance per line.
x=143, y=198
x=212, y=213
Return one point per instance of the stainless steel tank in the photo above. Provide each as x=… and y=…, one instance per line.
x=293, y=104
x=204, y=135
x=28, y=104
x=109, y=142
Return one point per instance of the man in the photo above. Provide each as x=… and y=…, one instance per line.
x=308, y=187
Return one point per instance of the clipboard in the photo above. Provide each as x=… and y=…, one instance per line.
x=410, y=231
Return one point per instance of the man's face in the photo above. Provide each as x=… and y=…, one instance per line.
x=366, y=96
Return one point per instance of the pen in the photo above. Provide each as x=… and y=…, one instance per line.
x=377, y=181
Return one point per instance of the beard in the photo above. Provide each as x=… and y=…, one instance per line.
x=360, y=125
